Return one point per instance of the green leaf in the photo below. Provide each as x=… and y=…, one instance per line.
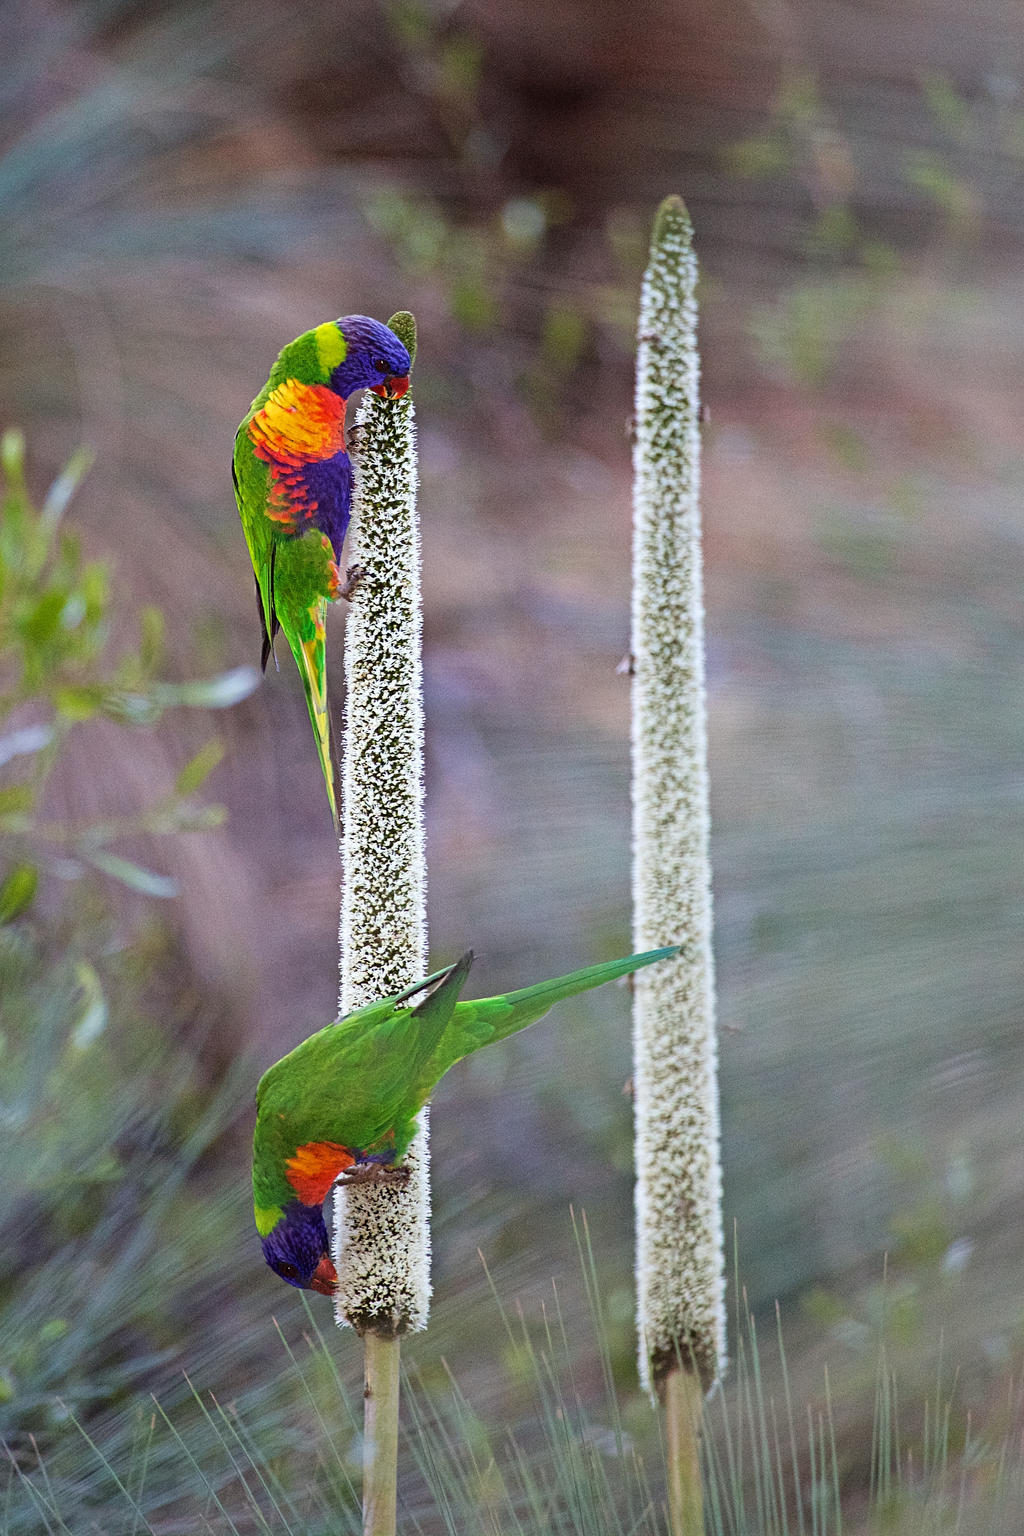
x=765, y=154
x=12, y=457
x=135, y=708
x=564, y=335
x=42, y=622
x=198, y=770
x=948, y=108
x=16, y=798
x=77, y=703
x=65, y=486
x=92, y=1021
x=201, y=819
x=18, y=891
x=461, y=61
x=133, y=875
x=952, y=194
x=472, y=302
x=95, y=584
x=218, y=692
x=151, y=645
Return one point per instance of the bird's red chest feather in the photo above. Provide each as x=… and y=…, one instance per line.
x=313, y=1168
x=299, y=424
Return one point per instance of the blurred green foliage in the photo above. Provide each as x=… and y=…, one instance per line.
x=952, y=195
x=849, y=272
x=105, y=1111
x=105, y=1118
x=56, y=672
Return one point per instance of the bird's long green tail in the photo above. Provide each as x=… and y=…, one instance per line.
x=310, y=658
x=481, y=1021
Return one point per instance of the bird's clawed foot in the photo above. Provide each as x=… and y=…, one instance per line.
x=373, y=1173
x=355, y=437
x=353, y=576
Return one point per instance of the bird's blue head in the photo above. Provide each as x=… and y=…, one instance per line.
x=375, y=359
x=296, y=1248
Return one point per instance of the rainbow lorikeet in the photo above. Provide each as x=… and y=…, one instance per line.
x=293, y=485
x=342, y=1106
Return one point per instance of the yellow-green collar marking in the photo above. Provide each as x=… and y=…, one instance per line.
x=267, y=1218
x=331, y=347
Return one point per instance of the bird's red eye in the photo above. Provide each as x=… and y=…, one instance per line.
x=380, y=365
x=288, y=1271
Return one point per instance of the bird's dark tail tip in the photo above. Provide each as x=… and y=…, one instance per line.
x=451, y=979
x=429, y=985
x=268, y=637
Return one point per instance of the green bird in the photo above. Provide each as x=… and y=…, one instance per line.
x=293, y=485
x=342, y=1106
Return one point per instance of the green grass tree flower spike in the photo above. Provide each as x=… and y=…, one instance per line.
x=382, y=1233
x=679, y=1255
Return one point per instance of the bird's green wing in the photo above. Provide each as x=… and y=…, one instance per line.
x=349, y=1082
x=481, y=1021
x=292, y=577
x=301, y=569
x=251, y=479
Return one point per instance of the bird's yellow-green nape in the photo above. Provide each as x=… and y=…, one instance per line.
x=267, y=1218
x=311, y=357
x=331, y=347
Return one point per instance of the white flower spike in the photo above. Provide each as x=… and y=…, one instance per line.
x=382, y=1232
x=679, y=1254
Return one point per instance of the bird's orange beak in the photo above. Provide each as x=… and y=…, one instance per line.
x=393, y=387
x=324, y=1278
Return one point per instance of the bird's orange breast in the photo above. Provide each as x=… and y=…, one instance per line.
x=299, y=424
x=313, y=1168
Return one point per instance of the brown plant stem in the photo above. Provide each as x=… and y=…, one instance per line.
x=684, y=1404
x=380, y=1434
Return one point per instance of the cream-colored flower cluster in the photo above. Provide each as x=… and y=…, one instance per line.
x=679, y=1266
x=382, y=1233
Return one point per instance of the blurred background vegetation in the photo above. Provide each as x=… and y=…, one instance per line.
x=187, y=186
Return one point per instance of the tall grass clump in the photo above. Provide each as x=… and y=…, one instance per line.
x=382, y=1233
x=679, y=1258
x=569, y=1453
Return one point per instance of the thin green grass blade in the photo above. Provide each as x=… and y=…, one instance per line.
x=51, y=1500
x=225, y=1446
x=328, y=1438
x=230, y=1434
x=141, y=1484
x=763, y=1453
x=425, y=1451
x=833, y=1456
x=37, y=1499
x=108, y=1468
x=779, y=1464
x=213, y=1498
